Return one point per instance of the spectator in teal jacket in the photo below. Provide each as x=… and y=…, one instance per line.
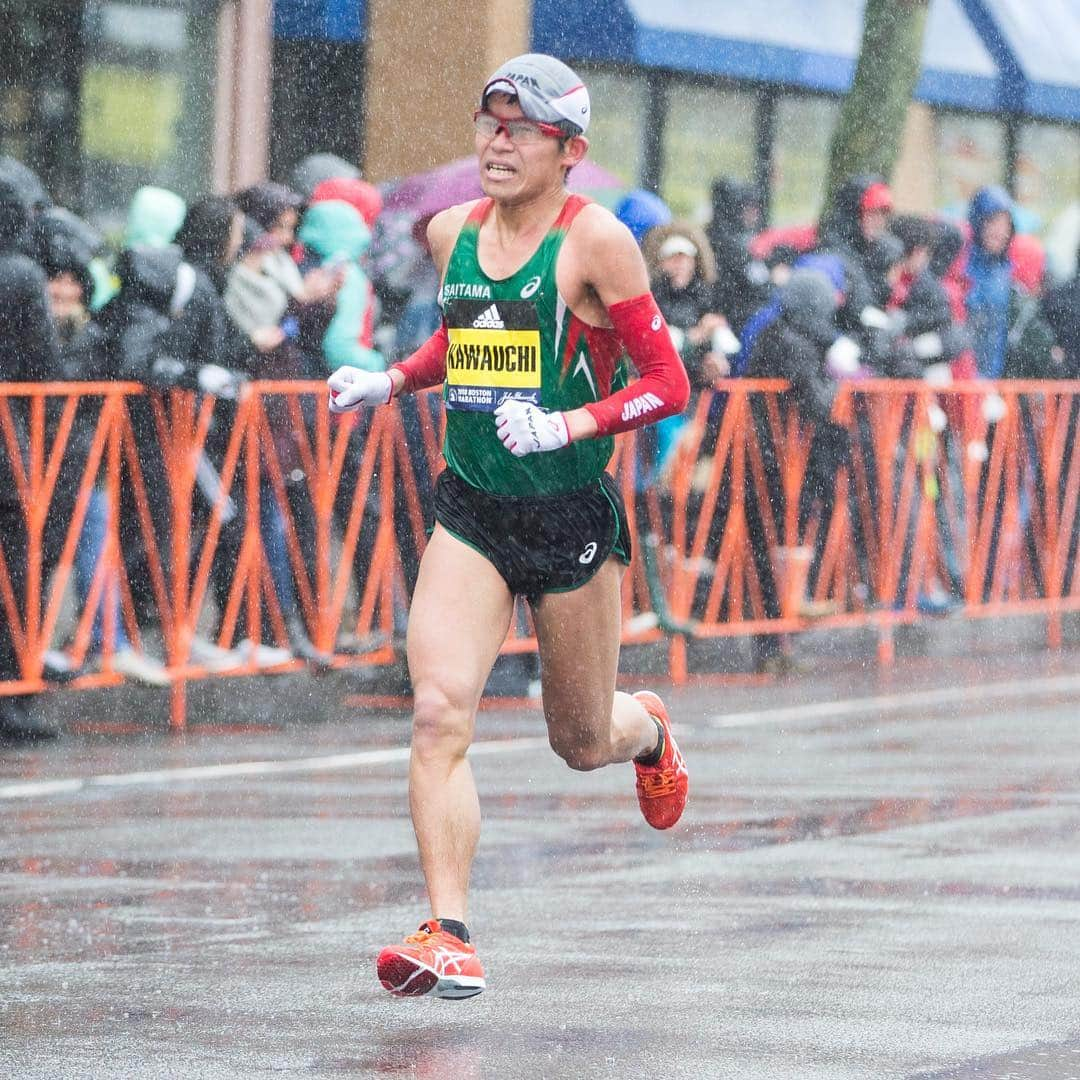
x=335, y=232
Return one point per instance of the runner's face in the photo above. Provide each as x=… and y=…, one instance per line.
x=510, y=170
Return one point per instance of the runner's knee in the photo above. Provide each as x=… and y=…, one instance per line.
x=580, y=751
x=442, y=720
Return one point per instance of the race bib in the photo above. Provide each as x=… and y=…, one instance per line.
x=494, y=353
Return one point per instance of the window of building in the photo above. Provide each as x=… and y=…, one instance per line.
x=970, y=155
x=804, y=129
x=147, y=104
x=40, y=58
x=1048, y=179
x=709, y=133
x=619, y=107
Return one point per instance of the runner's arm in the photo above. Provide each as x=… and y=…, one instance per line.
x=427, y=366
x=615, y=272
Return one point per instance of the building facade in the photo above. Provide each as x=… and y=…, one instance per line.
x=212, y=94
x=102, y=97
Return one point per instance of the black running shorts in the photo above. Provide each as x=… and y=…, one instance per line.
x=540, y=543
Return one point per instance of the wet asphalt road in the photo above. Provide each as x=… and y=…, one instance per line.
x=886, y=885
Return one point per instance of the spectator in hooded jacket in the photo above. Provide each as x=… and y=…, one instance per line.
x=742, y=284
x=1010, y=340
x=83, y=358
x=30, y=353
x=927, y=334
x=800, y=346
x=164, y=328
x=367, y=201
x=640, y=211
x=336, y=233
x=856, y=228
x=1061, y=310
x=987, y=272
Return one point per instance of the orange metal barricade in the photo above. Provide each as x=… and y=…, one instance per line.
x=986, y=505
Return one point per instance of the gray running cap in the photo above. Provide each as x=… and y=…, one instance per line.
x=546, y=88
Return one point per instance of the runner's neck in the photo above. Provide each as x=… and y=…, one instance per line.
x=512, y=225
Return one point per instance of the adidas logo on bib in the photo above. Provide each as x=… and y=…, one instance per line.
x=489, y=319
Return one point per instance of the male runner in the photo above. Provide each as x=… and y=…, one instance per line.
x=542, y=291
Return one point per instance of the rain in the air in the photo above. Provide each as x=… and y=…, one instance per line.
x=539, y=539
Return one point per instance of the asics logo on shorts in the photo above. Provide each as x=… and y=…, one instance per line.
x=588, y=554
x=489, y=319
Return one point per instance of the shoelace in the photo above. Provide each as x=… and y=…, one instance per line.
x=655, y=785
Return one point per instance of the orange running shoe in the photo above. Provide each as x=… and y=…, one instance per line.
x=661, y=788
x=431, y=960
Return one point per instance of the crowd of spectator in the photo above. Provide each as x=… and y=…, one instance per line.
x=867, y=293
x=281, y=282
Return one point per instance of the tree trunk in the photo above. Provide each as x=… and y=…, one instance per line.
x=871, y=126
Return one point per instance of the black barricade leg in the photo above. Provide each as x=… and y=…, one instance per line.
x=764, y=646
x=1033, y=496
x=908, y=431
x=134, y=547
x=829, y=453
x=1072, y=550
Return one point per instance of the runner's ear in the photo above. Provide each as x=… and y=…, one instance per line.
x=574, y=150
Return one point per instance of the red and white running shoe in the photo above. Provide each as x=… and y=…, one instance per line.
x=431, y=960
x=661, y=788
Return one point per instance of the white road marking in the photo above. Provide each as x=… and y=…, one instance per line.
x=828, y=710
x=329, y=763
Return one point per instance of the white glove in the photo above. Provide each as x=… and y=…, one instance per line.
x=351, y=388
x=524, y=428
x=993, y=408
x=927, y=346
x=873, y=318
x=843, y=357
x=724, y=341
x=937, y=374
x=935, y=414
x=217, y=381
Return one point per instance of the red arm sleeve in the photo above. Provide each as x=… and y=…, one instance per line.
x=427, y=366
x=663, y=388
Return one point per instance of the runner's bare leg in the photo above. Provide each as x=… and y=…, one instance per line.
x=590, y=724
x=460, y=613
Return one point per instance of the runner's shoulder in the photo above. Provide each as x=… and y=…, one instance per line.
x=599, y=234
x=443, y=229
x=603, y=257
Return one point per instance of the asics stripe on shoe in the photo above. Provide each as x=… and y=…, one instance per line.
x=661, y=788
x=431, y=961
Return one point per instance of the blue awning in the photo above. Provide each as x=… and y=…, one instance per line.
x=1041, y=44
x=319, y=20
x=809, y=44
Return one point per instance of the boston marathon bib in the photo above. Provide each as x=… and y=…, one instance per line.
x=515, y=337
x=494, y=354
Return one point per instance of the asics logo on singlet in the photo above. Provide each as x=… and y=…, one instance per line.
x=530, y=287
x=588, y=554
x=638, y=406
x=489, y=319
